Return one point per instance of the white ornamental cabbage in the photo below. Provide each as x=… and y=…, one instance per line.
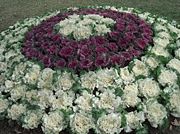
x=9, y=84
x=128, y=10
x=84, y=26
x=72, y=20
x=161, y=42
x=134, y=120
x=62, y=100
x=106, y=77
x=149, y=88
x=156, y=113
x=18, y=92
x=130, y=97
x=84, y=101
x=67, y=30
x=10, y=54
x=31, y=96
x=3, y=66
x=65, y=81
x=144, y=15
x=3, y=105
x=19, y=71
x=170, y=89
x=45, y=81
x=131, y=88
x=174, y=29
x=32, y=76
x=178, y=43
x=168, y=77
x=81, y=123
x=151, y=62
x=44, y=98
x=53, y=122
x=177, y=53
x=82, y=32
x=75, y=18
x=16, y=111
x=2, y=48
x=102, y=29
x=164, y=35
x=107, y=21
x=109, y=124
x=89, y=80
x=107, y=100
x=87, y=21
x=126, y=75
x=160, y=27
x=112, y=8
x=175, y=64
x=2, y=81
x=16, y=60
x=160, y=51
x=139, y=68
x=94, y=17
x=32, y=119
x=175, y=103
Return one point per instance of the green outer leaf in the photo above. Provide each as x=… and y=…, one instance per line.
x=156, y=72
x=165, y=124
x=97, y=113
x=123, y=120
x=142, y=130
x=118, y=91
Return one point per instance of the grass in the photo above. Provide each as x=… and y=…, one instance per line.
x=15, y=10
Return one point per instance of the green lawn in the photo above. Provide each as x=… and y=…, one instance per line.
x=14, y=10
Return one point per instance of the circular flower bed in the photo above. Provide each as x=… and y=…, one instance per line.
x=100, y=69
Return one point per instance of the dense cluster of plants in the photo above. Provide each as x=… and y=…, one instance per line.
x=128, y=65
